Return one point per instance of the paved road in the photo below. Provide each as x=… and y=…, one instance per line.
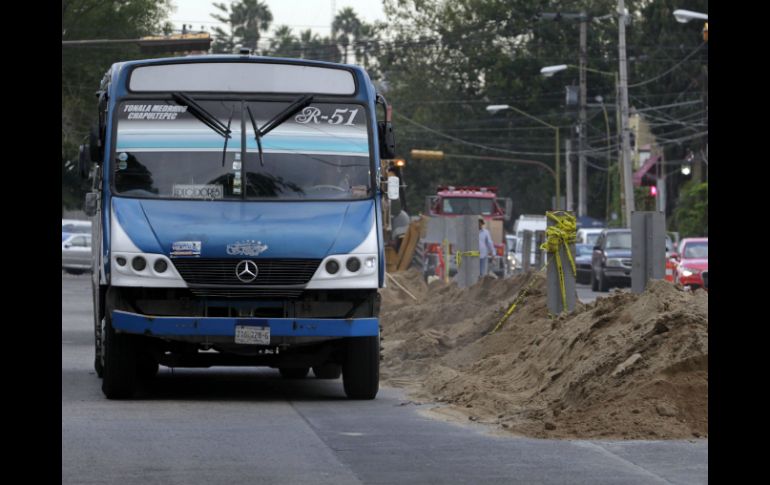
x=222, y=425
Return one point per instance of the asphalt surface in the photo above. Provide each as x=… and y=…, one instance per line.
x=247, y=425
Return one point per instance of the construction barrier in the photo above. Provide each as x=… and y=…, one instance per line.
x=670, y=267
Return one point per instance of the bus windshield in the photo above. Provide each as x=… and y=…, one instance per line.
x=164, y=151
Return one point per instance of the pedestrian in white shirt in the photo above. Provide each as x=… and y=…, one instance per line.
x=486, y=248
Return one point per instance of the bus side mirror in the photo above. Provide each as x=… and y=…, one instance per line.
x=387, y=139
x=90, y=205
x=393, y=187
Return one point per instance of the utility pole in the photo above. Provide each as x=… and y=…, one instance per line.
x=569, y=174
x=582, y=176
x=628, y=187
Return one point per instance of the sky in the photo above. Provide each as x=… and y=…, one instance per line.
x=297, y=14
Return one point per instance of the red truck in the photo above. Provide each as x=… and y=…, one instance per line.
x=455, y=201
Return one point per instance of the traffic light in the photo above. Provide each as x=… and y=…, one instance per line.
x=427, y=154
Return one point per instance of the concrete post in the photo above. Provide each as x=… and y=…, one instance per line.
x=539, y=240
x=648, y=248
x=467, y=230
x=553, y=285
x=526, y=250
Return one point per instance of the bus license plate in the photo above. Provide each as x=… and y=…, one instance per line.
x=251, y=335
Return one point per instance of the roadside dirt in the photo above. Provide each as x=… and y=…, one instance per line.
x=626, y=366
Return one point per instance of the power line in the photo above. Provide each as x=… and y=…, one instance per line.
x=465, y=142
x=670, y=70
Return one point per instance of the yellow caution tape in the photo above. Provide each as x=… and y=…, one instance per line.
x=459, y=256
x=518, y=299
x=562, y=233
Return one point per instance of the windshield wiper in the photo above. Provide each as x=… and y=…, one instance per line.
x=204, y=116
x=301, y=103
x=257, y=136
x=227, y=136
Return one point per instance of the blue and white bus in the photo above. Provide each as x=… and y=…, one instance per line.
x=237, y=218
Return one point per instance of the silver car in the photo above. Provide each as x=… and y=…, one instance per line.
x=76, y=253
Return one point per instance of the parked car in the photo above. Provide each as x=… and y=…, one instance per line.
x=588, y=236
x=611, y=260
x=73, y=226
x=583, y=255
x=692, y=260
x=76, y=253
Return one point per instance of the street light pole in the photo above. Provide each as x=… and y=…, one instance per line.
x=628, y=187
x=494, y=108
x=684, y=16
x=582, y=175
x=549, y=71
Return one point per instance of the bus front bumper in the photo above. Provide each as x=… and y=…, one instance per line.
x=175, y=327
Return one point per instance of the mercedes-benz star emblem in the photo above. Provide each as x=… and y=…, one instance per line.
x=246, y=271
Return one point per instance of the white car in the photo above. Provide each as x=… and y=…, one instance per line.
x=76, y=253
x=588, y=236
x=72, y=226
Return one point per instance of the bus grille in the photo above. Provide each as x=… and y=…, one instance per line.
x=246, y=292
x=272, y=272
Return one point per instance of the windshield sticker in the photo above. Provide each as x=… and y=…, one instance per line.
x=198, y=191
x=246, y=248
x=186, y=248
x=123, y=156
x=359, y=190
x=153, y=111
x=122, y=165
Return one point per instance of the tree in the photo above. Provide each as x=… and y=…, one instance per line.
x=246, y=19
x=345, y=29
x=84, y=67
x=312, y=46
x=691, y=217
x=366, y=42
x=283, y=43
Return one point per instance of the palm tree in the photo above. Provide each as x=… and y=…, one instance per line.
x=246, y=20
x=348, y=25
x=368, y=35
x=283, y=43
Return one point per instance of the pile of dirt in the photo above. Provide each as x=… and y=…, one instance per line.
x=625, y=366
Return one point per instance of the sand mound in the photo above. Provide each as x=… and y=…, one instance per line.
x=626, y=366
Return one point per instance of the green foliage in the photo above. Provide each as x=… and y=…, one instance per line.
x=84, y=67
x=644, y=201
x=345, y=27
x=691, y=217
x=246, y=19
x=445, y=61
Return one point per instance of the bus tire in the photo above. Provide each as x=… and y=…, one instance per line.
x=361, y=370
x=119, y=373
